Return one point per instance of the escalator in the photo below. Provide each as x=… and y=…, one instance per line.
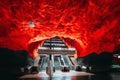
x=64, y=67
x=52, y=47
x=67, y=61
x=40, y=63
x=44, y=64
x=57, y=63
x=75, y=64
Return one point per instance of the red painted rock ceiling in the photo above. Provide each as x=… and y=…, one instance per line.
x=91, y=25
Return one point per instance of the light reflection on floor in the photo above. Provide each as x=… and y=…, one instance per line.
x=58, y=75
x=72, y=75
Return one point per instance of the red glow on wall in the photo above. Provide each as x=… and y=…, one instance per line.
x=92, y=25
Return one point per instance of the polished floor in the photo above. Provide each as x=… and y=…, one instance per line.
x=58, y=75
x=72, y=75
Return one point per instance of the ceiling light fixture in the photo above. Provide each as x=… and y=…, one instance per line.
x=31, y=24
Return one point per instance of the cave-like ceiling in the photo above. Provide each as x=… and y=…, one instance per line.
x=91, y=25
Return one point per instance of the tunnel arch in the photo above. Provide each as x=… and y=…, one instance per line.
x=93, y=24
x=71, y=43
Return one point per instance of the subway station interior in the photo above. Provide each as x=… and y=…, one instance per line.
x=59, y=39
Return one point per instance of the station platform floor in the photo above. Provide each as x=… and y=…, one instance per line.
x=72, y=75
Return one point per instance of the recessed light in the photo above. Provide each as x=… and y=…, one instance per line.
x=31, y=24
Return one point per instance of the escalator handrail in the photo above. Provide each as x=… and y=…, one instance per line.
x=59, y=61
x=41, y=62
x=73, y=63
x=62, y=61
x=68, y=60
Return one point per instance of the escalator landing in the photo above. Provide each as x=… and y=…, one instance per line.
x=57, y=74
